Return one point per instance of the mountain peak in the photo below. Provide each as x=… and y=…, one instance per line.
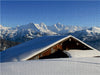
x=30, y=24
x=42, y=23
x=58, y=23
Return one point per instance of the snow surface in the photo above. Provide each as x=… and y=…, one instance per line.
x=82, y=53
x=66, y=66
x=31, y=48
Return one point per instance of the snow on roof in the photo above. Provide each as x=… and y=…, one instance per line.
x=31, y=48
x=27, y=49
x=71, y=66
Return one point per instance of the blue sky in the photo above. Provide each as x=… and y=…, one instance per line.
x=80, y=13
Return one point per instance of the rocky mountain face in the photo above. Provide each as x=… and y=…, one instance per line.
x=30, y=31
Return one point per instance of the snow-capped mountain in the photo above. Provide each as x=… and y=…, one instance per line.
x=4, y=31
x=4, y=28
x=56, y=27
x=94, y=30
x=31, y=30
x=85, y=34
x=36, y=28
x=62, y=29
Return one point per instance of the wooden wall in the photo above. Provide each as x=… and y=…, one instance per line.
x=48, y=51
x=73, y=44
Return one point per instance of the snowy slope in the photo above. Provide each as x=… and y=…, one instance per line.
x=75, y=53
x=70, y=66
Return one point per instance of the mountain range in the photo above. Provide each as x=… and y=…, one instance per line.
x=30, y=31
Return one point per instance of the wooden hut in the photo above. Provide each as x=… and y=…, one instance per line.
x=47, y=47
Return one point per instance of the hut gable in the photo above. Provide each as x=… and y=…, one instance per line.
x=58, y=49
x=45, y=47
x=72, y=43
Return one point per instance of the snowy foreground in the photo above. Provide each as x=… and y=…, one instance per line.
x=65, y=66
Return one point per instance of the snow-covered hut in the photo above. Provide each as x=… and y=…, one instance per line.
x=49, y=47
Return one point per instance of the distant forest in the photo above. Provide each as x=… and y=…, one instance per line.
x=5, y=44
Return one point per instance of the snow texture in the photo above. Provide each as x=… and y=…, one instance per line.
x=82, y=53
x=31, y=48
x=66, y=66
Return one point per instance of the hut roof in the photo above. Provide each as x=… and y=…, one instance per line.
x=33, y=47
